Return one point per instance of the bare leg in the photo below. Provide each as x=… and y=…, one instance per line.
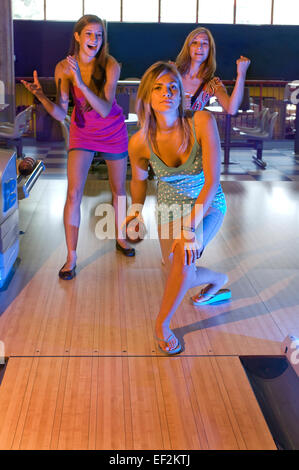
x=78, y=165
x=214, y=280
x=180, y=278
x=117, y=170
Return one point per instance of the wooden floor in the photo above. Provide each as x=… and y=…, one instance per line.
x=84, y=371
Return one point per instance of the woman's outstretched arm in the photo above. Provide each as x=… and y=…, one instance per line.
x=59, y=109
x=139, y=158
x=232, y=103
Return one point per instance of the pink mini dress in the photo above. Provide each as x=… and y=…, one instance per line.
x=90, y=131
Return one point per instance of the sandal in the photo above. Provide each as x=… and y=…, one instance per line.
x=171, y=350
x=221, y=295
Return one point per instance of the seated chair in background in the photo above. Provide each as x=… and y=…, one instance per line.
x=260, y=123
x=255, y=139
x=13, y=132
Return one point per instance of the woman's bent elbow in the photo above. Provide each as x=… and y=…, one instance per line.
x=106, y=112
x=61, y=118
x=59, y=114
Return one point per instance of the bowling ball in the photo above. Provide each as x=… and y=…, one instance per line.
x=135, y=230
x=27, y=165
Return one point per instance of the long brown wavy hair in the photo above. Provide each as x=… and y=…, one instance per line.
x=145, y=112
x=183, y=60
x=99, y=75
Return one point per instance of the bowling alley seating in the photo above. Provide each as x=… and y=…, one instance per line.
x=255, y=138
x=13, y=132
x=260, y=123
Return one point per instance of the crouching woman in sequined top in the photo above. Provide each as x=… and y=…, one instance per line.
x=185, y=156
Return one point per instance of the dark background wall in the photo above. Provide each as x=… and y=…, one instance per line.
x=273, y=50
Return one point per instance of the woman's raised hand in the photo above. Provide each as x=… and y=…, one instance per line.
x=34, y=87
x=242, y=65
x=75, y=71
x=134, y=232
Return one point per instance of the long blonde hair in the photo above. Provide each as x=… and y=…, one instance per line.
x=145, y=112
x=183, y=60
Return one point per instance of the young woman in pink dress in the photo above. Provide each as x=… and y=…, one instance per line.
x=196, y=63
x=97, y=125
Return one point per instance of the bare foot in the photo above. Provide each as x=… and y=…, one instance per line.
x=166, y=339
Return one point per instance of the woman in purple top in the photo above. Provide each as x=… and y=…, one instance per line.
x=97, y=124
x=196, y=63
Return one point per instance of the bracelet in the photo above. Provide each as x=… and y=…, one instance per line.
x=189, y=229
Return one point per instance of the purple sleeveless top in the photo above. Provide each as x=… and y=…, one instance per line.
x=90, y=131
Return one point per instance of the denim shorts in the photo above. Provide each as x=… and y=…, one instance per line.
x=105, y=155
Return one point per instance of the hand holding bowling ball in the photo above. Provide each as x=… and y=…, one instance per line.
x=27, y=165
x=135, y=229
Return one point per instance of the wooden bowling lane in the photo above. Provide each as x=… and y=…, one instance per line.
x=110, y=307
x=129, y=403
x=84, y=370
